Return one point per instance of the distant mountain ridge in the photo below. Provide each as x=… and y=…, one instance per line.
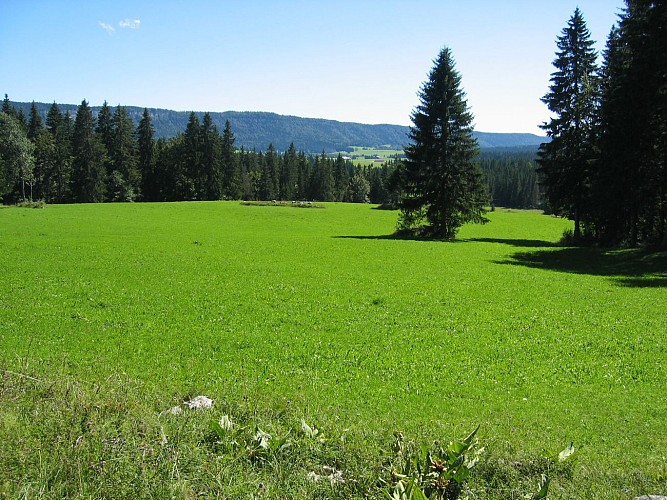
x=256, y=130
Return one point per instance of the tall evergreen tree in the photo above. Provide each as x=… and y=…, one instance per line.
x=442, y=183
x=7, y=107
x=269, y=189
x=231, y=166
x=288, y=174
x=573, y=97
x=45, y=166
x=59, y=181
x=643, y=33
x=125, y=178
x=341, y=179
x=35, y=124
x=146, y=157
x=192, y=160
x=104, y=126
x=211, y=169
x=88, y=168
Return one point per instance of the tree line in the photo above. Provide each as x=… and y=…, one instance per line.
x=89, y=159
x=605, y=166
x=105, y=158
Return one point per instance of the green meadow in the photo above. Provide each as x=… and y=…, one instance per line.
x=110, y=314
x=359, y=154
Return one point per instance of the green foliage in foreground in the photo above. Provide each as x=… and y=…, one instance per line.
x=112, y=314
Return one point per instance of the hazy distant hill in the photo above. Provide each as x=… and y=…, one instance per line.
x=256, y=130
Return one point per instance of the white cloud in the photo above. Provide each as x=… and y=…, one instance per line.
x=107, y=27
x=129, y=23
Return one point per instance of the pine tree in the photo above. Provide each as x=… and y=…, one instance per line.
x=269, y=188
x=442, y=183
x=288, y=174
x=146, y=158
x=643, y=35
x=35, y=124
x=88, y=168
x=104, y=131
x=211, y=170
x=573, y=97
x=125, y=178
x=194, y=181
x=341, y=179
x=60, y=178
x=7, y=107
x=615, y=179
x=104, y=126
x=231, y=167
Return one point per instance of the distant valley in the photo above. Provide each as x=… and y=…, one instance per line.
x=256, y=130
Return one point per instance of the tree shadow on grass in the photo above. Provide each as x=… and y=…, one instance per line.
x=632, y=268
x=407, y=237
x=523, y=243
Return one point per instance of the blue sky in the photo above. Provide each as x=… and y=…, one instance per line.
x=360, y=61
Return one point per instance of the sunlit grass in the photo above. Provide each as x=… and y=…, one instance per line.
x=317, y=314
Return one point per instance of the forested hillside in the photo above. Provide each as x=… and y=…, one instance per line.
x=256, y=130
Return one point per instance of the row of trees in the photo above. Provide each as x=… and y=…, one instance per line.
x=606, y=163
x=106, y=158
x=512, y=179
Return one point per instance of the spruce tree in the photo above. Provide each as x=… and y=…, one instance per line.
x=643, y=37
x=146, y=157
x=288, y=174
x=270, y=185
x=231, y=168
x=442, y=183
x=104, y=126
x=193, y=186
x=211, y=171
x=59, y=127
x=35, y=124
x=341, y=179
x=125, y=181
x=88, y=168
x=573, y=97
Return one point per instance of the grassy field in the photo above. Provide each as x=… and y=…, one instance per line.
x=375, y=155
x=112, y=314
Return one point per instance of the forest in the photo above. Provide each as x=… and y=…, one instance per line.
x=88, y=159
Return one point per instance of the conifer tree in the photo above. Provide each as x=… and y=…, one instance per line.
x=573, y=97
x=58, y=184
x=231, y=167
x=211, y=175
x=88, y=168
x=125, y=178
x=193, y=185
x=643, y=38
x=288, y=174
x=35, y=124
x=7, y=107
x=146, y=157
x=442, y=183
x=341, y=179
x=269, y=189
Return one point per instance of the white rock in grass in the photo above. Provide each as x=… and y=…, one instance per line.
x=314, y=477
x=199, y=402
x=651, y=497
x=175, y=410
